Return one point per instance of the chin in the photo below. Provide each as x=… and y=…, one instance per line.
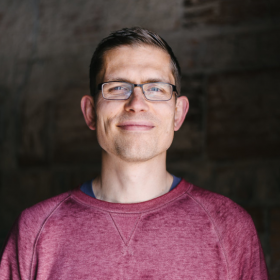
x=138, y=152
x=135, y=155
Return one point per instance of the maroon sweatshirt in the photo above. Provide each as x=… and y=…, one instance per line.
x=188, y=233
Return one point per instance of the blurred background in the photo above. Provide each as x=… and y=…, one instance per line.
x=229, y=51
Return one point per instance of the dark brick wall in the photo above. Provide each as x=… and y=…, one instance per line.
x=230, y=59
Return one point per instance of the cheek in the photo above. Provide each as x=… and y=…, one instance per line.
x=167, y=126
x=169, y=117
x=166, y=137
x=106, y=115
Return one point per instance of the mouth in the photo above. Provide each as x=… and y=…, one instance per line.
x=134, y=126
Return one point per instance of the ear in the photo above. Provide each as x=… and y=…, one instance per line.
x=87, y=106
x=181, y=110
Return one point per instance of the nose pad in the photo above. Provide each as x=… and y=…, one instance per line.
x=138, y=91
x=137, y=100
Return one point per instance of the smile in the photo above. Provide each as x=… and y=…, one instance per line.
x=136, y=126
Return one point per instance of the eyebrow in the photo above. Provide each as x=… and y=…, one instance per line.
x=143, y=82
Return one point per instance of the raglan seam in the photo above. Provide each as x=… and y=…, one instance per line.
x=216, y=230
x=40, y=230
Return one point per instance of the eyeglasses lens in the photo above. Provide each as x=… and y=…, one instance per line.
x=157, y=91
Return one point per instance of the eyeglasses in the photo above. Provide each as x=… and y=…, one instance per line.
x=122, y=90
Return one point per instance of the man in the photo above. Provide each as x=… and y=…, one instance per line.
x=135, y=220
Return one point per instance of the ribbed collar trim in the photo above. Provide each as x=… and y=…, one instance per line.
x=181, y=188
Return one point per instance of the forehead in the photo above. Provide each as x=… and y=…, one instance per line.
x=136, y=64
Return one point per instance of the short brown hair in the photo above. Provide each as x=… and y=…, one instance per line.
x=128, y=37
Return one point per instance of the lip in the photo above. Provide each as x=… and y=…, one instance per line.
x=136, y=126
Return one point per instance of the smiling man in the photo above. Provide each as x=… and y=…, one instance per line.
x=135, y=220
x=135, y=115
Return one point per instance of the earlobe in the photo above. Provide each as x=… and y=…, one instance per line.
x=87, y=106
x=181, y=110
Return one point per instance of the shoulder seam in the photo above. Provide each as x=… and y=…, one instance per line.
x=215, y=227
x=40, y=230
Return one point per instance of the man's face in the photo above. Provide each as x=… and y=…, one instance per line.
x=135, y=129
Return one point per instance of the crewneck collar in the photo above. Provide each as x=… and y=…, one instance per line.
x=181, y=188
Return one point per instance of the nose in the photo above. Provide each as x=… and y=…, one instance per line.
x=137, y=101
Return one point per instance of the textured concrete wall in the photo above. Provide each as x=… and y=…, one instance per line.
x=230, y=59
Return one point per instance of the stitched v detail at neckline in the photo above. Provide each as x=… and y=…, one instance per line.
x=125, y=224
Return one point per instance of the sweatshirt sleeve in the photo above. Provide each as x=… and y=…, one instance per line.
x=237, y=234
x=244, y=252
x=19, y=252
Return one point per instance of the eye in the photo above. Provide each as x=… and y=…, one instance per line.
x=117, y=88
x=154, y=89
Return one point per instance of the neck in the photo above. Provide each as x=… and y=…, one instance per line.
x=131, y=182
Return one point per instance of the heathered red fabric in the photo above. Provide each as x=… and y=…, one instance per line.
x=188, y=233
